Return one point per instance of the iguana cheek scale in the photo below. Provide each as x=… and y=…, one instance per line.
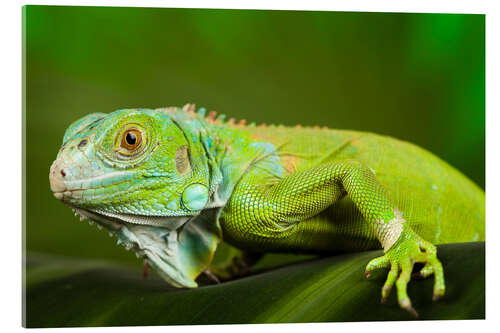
x=172, y=183
x=195, y=197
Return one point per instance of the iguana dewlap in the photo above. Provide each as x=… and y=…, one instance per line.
x=172, y=183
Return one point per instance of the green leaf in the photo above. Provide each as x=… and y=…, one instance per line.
x=71, y=292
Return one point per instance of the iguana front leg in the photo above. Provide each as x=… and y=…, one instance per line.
x=269, y=212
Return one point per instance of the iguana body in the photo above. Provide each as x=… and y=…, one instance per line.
x=171, y=183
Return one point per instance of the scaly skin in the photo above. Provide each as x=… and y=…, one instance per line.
x=172, y=183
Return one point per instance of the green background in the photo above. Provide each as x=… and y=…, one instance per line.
x=417, y=77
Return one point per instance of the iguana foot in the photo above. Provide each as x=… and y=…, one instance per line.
x=408, y=249
x=238, y=266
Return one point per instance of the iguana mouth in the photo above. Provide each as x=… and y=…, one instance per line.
x=168, y=222
x=66, y=186
x=117, y=220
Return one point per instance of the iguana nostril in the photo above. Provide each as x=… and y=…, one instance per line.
x=82, y=143
x=57, y=184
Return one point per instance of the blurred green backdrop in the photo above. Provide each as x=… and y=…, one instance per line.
x=417, y=77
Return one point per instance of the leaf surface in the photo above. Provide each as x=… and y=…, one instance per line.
x=76, y=292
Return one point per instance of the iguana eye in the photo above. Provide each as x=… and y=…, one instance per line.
x=131, y=139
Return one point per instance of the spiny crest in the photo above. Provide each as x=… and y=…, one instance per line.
x=212, y=117
x=189, y=108
x=167, y=109
x=219, y=119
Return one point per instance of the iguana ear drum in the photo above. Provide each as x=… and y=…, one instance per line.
x=182, y=160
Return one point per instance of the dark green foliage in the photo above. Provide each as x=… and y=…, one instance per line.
x=70, y=292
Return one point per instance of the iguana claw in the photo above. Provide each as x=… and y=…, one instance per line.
x=211, y=276
x=146, y=270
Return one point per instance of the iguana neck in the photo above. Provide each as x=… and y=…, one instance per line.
x=238, y=153
x=225, y=153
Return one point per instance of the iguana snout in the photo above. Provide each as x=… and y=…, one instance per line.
x=75, y=176
x=56, y=178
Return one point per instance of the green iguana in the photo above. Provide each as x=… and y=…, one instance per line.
x=171, y=183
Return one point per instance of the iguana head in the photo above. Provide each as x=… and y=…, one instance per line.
x=145, y=176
